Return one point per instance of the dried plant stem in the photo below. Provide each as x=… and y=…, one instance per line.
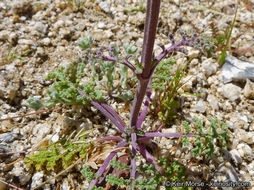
x=13, y=186
x=37, y=112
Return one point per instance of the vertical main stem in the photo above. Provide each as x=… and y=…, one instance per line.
x=152, y=15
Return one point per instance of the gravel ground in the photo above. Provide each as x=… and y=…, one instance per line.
x=39, y=36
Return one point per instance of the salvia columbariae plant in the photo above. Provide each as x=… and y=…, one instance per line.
x=150, y=73
x=133, y=135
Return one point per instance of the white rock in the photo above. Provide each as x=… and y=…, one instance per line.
x=59, y=24
x=104, y=6
x=248, y=137
x=20, y=171
x=213, y=102
x=40, y=131
x=64, y=32
x=237, y=70
x=40, y=27
x=192, y=52
x=200, y=106
x=209, y=67
x=46, y=41
x=7, y=137
x=248, y=90
x=228, y=172
x=55, y=138
x=251, y=168
x=245, y=151
x=101, y=25
x=25, y=42
x=244, y=118
x=100, y=34
x=169, y=130
x=4, y=35
x=37, y=179
x=236, y=156
x=230, y=91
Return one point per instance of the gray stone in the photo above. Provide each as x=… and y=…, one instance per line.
x=37, y=179
x=3, y=148
x=213, y=102
x=40, y=27
x=248, y=137
x=245, y=151
x=9, y=82
x=248, y=90
x=209, y=67
x=236, y=156
x=230, y=91
x=46, y=41
x=104, y=6
x=200, y=106
x=7, y=137
x=40, y=131
x=25, y=42
x=4, y=35
x=19, y=170
x=237, y=70
x=227, y=172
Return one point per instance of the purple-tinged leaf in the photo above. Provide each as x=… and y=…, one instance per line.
x=144, y=112
x=129, y=65
x=133, y=162
x=149, y=158
x=157, y=134
x=105, y=112
x=159, y=128
x=107, y=58
x=106, y=163
x=170, y=49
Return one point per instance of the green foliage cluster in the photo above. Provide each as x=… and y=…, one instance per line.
x=206, y=141
x=108, y=71
x=166, y=86
x=149, y=177
x=64, y=89
x=218, y=41
x=60, y=154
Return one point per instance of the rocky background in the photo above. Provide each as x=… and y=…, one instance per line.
x=39, y=36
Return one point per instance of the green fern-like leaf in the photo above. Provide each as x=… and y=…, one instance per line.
x=114, y=180
x=59, y=154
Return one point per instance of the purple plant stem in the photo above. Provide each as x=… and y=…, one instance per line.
x=149, y=158
x=173, y=47
x=145, y=109
x=106, y=163
x=148, y=136
x=125, y=62
x=152, y=15
x=157, y=134
x=109, y=138
x=133, y=162
x=159, y=128
x=107, y=113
